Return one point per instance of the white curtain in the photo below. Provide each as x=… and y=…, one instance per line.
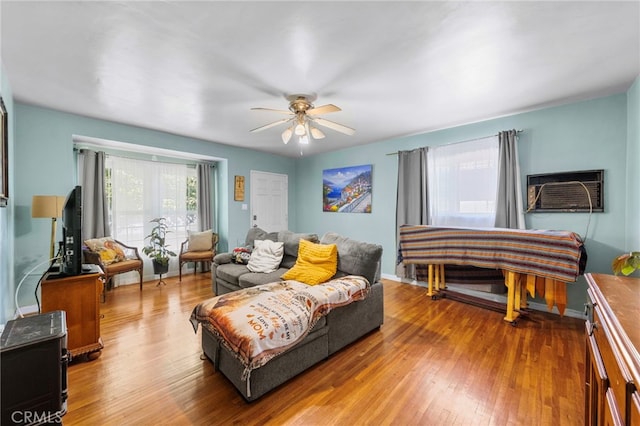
x=464, y=189
x=145, y=190
x=463, y=179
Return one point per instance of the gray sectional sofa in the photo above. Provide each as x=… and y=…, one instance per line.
x=340, y=327
x=227, y=276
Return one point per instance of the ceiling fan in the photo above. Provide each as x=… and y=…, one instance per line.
x=303, y=116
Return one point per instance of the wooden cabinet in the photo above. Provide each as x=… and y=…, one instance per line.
x=79, y=297
x=635, y=408
x=612, y=360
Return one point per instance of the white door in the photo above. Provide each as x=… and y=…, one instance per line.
x=269, y=201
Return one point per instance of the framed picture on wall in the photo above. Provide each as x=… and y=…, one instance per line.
x=4, y=155
x=238, y=189
x=347, y=189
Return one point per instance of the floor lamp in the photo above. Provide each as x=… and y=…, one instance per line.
x=48, y=206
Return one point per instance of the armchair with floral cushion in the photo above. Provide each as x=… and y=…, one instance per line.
x=114, y=257
x=198, y=247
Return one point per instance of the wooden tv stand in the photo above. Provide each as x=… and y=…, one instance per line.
x=78, y=296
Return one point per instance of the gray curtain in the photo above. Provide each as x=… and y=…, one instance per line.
x=205, y=211
x=509, y=209
x=95, y=213
x=412, y=202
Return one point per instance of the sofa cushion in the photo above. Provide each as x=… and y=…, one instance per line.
x=259, y=234
x=266, y=256
x=231, y=272
x=123, y=266
x=253, y=279
x=291, y=242
x=316, y=263
x=355, y=257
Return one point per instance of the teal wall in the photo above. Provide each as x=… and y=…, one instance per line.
x=597, y=134
x=633, y=169
x=579, y=136
x=7, y=304
x=45, y=165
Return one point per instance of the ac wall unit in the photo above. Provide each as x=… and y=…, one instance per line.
x=580, y=191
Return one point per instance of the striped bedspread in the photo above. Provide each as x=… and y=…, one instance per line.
x=558, y=255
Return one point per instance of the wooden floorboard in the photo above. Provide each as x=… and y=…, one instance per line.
x=433, y=362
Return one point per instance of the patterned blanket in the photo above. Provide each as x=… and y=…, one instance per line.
x=261, y=322
x=558, y=255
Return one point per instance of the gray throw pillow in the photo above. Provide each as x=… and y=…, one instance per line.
x=256, y=233
x=222, y=258
x=291, y=241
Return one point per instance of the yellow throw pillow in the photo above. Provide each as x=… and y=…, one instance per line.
x=118, y=252
x=316, y=263
x=108, y=256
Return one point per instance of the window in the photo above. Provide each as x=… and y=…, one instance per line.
x=139, y=191
x=463, y=183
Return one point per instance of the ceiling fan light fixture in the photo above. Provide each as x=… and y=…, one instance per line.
x=316, y=133
x=286, y=135
x=300, y=130
x=303, y=120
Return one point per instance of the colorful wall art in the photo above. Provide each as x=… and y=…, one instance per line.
x=347, y=190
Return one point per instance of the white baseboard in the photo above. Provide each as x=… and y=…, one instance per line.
x=500, y=298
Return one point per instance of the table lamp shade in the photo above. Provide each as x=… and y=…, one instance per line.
x=47, y=206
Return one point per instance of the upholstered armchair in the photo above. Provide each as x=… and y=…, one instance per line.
x=199, y=247
x=114, y=257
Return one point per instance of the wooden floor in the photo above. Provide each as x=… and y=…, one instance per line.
x=431, y=363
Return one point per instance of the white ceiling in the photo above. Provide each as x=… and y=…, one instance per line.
x=395, y=68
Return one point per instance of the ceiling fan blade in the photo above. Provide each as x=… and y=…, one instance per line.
x=324, y=109
x=280, y=111
x=335, y=126
x=270, y=125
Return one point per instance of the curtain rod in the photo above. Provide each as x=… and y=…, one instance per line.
x=468, y=140
x=89, y=142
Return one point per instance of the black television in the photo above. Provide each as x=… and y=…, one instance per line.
x=72, y=233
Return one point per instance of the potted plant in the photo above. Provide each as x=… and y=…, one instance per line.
x=157, y=249
x=626, y=263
